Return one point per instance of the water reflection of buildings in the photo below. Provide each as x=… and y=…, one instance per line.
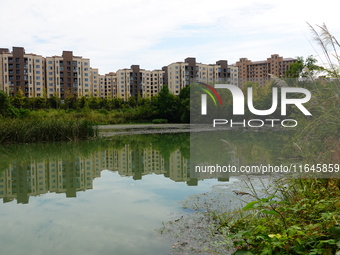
x=70, y=175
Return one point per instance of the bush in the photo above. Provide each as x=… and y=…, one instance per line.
x=303, y=220
x=159, y=121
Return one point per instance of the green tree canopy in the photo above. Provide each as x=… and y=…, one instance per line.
x=303, y=68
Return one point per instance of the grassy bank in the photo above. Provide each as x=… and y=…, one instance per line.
x=44, y=130
x=301, y=216
x=25, y=120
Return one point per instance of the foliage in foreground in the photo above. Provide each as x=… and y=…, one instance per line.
x=304, y=220
x=302, y=216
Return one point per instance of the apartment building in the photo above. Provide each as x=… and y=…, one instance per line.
x=22, y=72
x=67, y=76
x=110, y=85
x=71, y=76
x=138, y=83
x=233, y=75
x=94, y=82
x=123, y=83
x=152, y=83
x=181, y=74
x=260, y=71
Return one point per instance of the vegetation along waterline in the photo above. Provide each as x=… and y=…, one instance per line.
x=24, y=120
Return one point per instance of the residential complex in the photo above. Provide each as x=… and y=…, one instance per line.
x=72, y=76
x=260, y=71
x=181, y=74
x=67, y=75
x=21, y=71
x=136, y=82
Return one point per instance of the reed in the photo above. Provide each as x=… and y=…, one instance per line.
x=44, y=130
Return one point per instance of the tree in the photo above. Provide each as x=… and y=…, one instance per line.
x=166, y=105
x=18, y=99
x=184, y=108
x=54, y=102
x=303, y=68
x=5, y=104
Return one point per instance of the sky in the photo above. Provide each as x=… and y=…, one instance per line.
x=116, y=34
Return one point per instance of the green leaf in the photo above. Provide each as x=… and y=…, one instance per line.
x=243, y=252
x=269, y=212
x=250, y=205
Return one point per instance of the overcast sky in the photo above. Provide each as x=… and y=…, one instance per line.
x=115, y=34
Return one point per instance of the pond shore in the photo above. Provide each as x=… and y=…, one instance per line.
x=127, y=129
x=130, y=129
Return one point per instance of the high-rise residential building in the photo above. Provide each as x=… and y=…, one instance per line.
x=123, y=83
x=260, y=71
x=233, y=75
x=95, y=82
x=67, y=76
x=153, y=82
x=110, y=85
x=138, y=83
x=181, y=74
x=22, y=72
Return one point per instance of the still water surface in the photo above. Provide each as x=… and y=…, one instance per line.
x=101, y=197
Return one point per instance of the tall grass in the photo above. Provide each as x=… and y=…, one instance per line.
x=44, y=130
x=51, y=125
x=318, y=140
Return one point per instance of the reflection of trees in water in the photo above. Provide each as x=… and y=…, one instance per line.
x=36, y=169
x=30, y=170
x=236, y=147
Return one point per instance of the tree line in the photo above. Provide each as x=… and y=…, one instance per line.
x=165, y=106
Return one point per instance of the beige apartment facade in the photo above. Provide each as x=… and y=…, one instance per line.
x=20, y=71
x=67, y=76
x=110, y=85
x=138, y=83
x=260, y=71
x=181, y=74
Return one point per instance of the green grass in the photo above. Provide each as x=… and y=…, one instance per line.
x=32, y=130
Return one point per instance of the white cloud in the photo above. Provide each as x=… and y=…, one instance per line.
x=117, y=34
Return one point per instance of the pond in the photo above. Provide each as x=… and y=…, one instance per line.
x=104, y=196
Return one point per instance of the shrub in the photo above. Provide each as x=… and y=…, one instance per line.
x=159, y=121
